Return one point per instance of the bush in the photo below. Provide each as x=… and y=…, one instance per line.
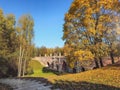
x=46, y=70
x=30, y=71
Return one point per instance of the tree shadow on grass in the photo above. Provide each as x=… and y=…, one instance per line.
x=71, y=85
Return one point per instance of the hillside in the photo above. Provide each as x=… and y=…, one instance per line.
x=106, y=78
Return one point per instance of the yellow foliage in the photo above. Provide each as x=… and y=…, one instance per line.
x=89, y=25
x=84, y=55
x=71, y=64
x=92, y=31
x=67, y=49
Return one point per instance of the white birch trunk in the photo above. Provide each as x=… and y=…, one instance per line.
x=19, y=62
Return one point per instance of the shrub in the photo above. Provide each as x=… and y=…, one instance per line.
x=30, y=71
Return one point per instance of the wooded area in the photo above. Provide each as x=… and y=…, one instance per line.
x=15, y=43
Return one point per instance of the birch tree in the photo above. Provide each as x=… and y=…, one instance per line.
x=25, y=34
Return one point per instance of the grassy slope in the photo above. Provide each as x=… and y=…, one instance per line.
x=37, y=69
x=106, y=78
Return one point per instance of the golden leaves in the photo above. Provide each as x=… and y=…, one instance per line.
x=92, y=31
x=93, y=20
x=67, y=49
x=84, y=55
x=89, y=11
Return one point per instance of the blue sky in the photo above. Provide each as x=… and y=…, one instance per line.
x=48, y=17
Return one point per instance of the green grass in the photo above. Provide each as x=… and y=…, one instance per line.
x=37, y=69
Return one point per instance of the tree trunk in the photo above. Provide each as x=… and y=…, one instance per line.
x=24, y=67
x=101, y=63
x=112, y=58
x=19, y=60
x=21, y=63
x=96, y=63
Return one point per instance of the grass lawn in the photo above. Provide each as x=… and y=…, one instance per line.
x=37, y=69
x=106, y=78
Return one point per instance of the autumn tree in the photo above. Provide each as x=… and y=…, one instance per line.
x=11, y=40
x=25, y=34
x=8, y=42
x=87, y=23
x=112, y=38
x=14, y=40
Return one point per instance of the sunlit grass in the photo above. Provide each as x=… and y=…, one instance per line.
x=37, y=69
x=107, y=76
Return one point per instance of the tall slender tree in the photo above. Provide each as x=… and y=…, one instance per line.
x=25, y=34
